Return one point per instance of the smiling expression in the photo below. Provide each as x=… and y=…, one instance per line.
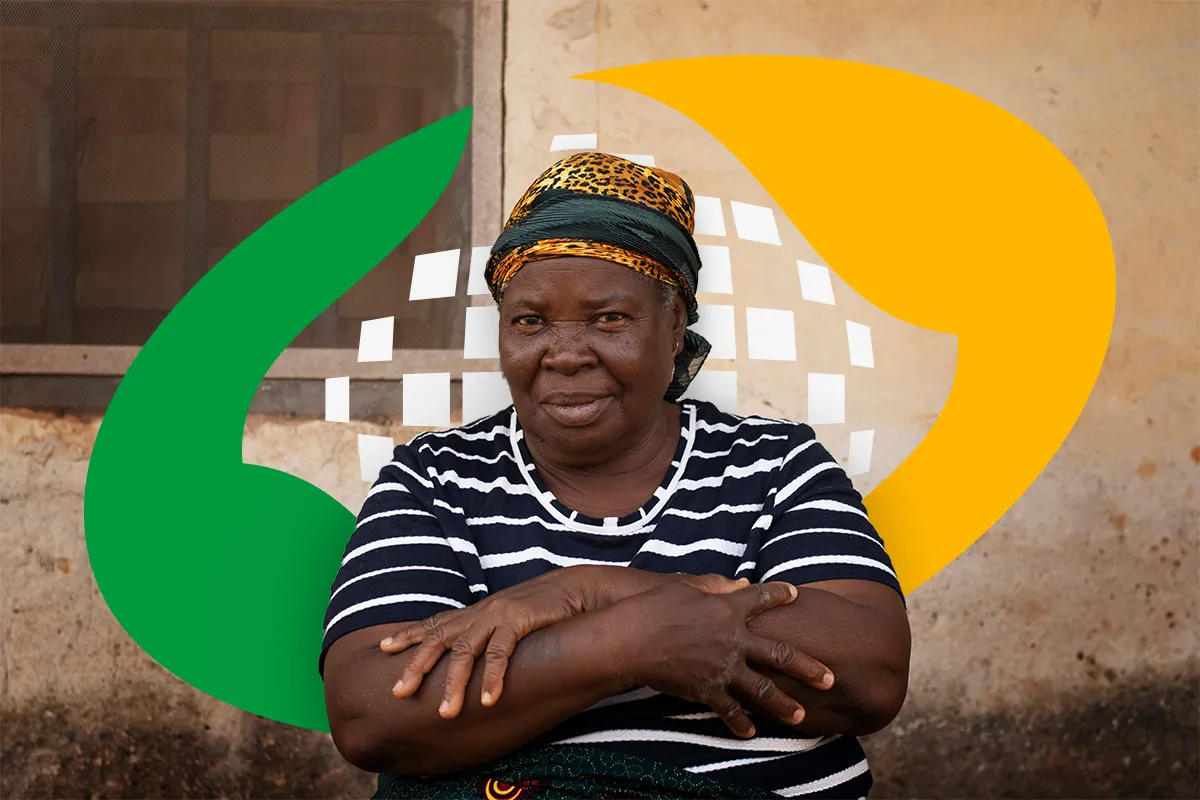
x=588, y=350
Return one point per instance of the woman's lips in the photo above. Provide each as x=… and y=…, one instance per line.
x=575, y=412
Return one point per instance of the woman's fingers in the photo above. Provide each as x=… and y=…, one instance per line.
x=756, y=599
x=463, y=655
x=785, y=658
x=445, y=625
x=495, y=663
x=719, y=584
x=403, y=638
x=759, y=689
x=423, y=660
x=734, y=716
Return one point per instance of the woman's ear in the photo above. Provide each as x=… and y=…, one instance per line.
x=679, y=323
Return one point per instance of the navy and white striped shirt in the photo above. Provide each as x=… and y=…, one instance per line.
x=461, y=513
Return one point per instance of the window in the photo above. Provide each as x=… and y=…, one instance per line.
x=141, y=141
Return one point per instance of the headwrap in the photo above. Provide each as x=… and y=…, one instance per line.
x=601, y=206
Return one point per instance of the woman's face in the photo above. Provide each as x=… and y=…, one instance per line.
x=588, y=350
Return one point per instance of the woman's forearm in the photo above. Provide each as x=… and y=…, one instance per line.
x=866, y=649
x=558, y=671
x=606, y=585
x=553, y=674
x=614, y=584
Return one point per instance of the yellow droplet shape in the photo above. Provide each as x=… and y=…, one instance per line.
x=951, y=214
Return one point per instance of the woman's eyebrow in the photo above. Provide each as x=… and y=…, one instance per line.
x=607, y=299
x=526, y=304
x=540, y=304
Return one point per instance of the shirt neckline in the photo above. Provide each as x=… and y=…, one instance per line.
x=630, y=523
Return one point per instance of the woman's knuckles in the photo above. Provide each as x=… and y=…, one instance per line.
x=783, y=655
x=463, y=648
x=764, y=691
x=496, y=651
x=714, y=688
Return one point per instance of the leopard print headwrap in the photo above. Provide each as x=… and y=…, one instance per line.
x=602, y=206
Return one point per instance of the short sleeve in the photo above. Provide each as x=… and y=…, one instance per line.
x=817, y=528
x=399, y=565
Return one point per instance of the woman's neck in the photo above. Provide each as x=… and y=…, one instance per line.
x=615, y=485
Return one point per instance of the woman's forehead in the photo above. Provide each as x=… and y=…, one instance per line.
x=576, y=277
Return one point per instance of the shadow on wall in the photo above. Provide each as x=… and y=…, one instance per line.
x=1128, y=742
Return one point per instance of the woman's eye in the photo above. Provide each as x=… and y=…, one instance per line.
x=612, y=317
x=527, y=321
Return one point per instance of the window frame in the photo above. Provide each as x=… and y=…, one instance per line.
x=482, y=58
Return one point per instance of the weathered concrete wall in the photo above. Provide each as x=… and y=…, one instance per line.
x=1056, y=658
x=85, y=710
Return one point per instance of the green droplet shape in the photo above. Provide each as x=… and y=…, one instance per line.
x=221, y=570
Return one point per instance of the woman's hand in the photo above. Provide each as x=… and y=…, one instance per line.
x=494, y=625
x=697, y=646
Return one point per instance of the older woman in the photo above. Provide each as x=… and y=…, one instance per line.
x=605, y=590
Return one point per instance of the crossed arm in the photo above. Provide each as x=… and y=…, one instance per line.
x=560, y=643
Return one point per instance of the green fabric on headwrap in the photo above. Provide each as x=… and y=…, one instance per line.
x=562, y=214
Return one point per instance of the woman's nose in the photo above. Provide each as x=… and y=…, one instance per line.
x=568, y=350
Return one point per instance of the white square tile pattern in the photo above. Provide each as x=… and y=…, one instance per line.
x=826, y=399
x=482, y=332
x=374, y=452
x=434, y=275
x=716, y=325
x=716, y=273
x=337, y=399
x=573, y=141
x=771, y=334
x=710, y=219
x=476, y=285
x=375, y=339
x=754, y=223
x=426, y=399
x=484, y=394
x=859, y=337
x=861, y=443
x=816, y=285
x=718, y=387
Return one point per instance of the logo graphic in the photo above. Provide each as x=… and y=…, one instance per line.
x=936, y=206
x=951, y=214
x=221, y=570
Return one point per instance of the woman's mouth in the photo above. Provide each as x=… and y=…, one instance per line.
x=575, y=412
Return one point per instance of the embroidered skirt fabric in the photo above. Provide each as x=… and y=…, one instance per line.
x=566, y=771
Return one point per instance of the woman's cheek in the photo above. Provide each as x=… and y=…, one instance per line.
x=515, y=363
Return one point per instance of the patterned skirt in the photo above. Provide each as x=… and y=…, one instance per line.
x=567, y=771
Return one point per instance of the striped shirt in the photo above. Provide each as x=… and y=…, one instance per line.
x=461, y=513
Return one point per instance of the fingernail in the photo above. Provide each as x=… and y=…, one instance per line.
x=444, y=707
x=751, y=732
x=399, y=685
x=827, y=681
x=798, y=717
x=487, y=698
x=793, y=592
x=386, y=642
